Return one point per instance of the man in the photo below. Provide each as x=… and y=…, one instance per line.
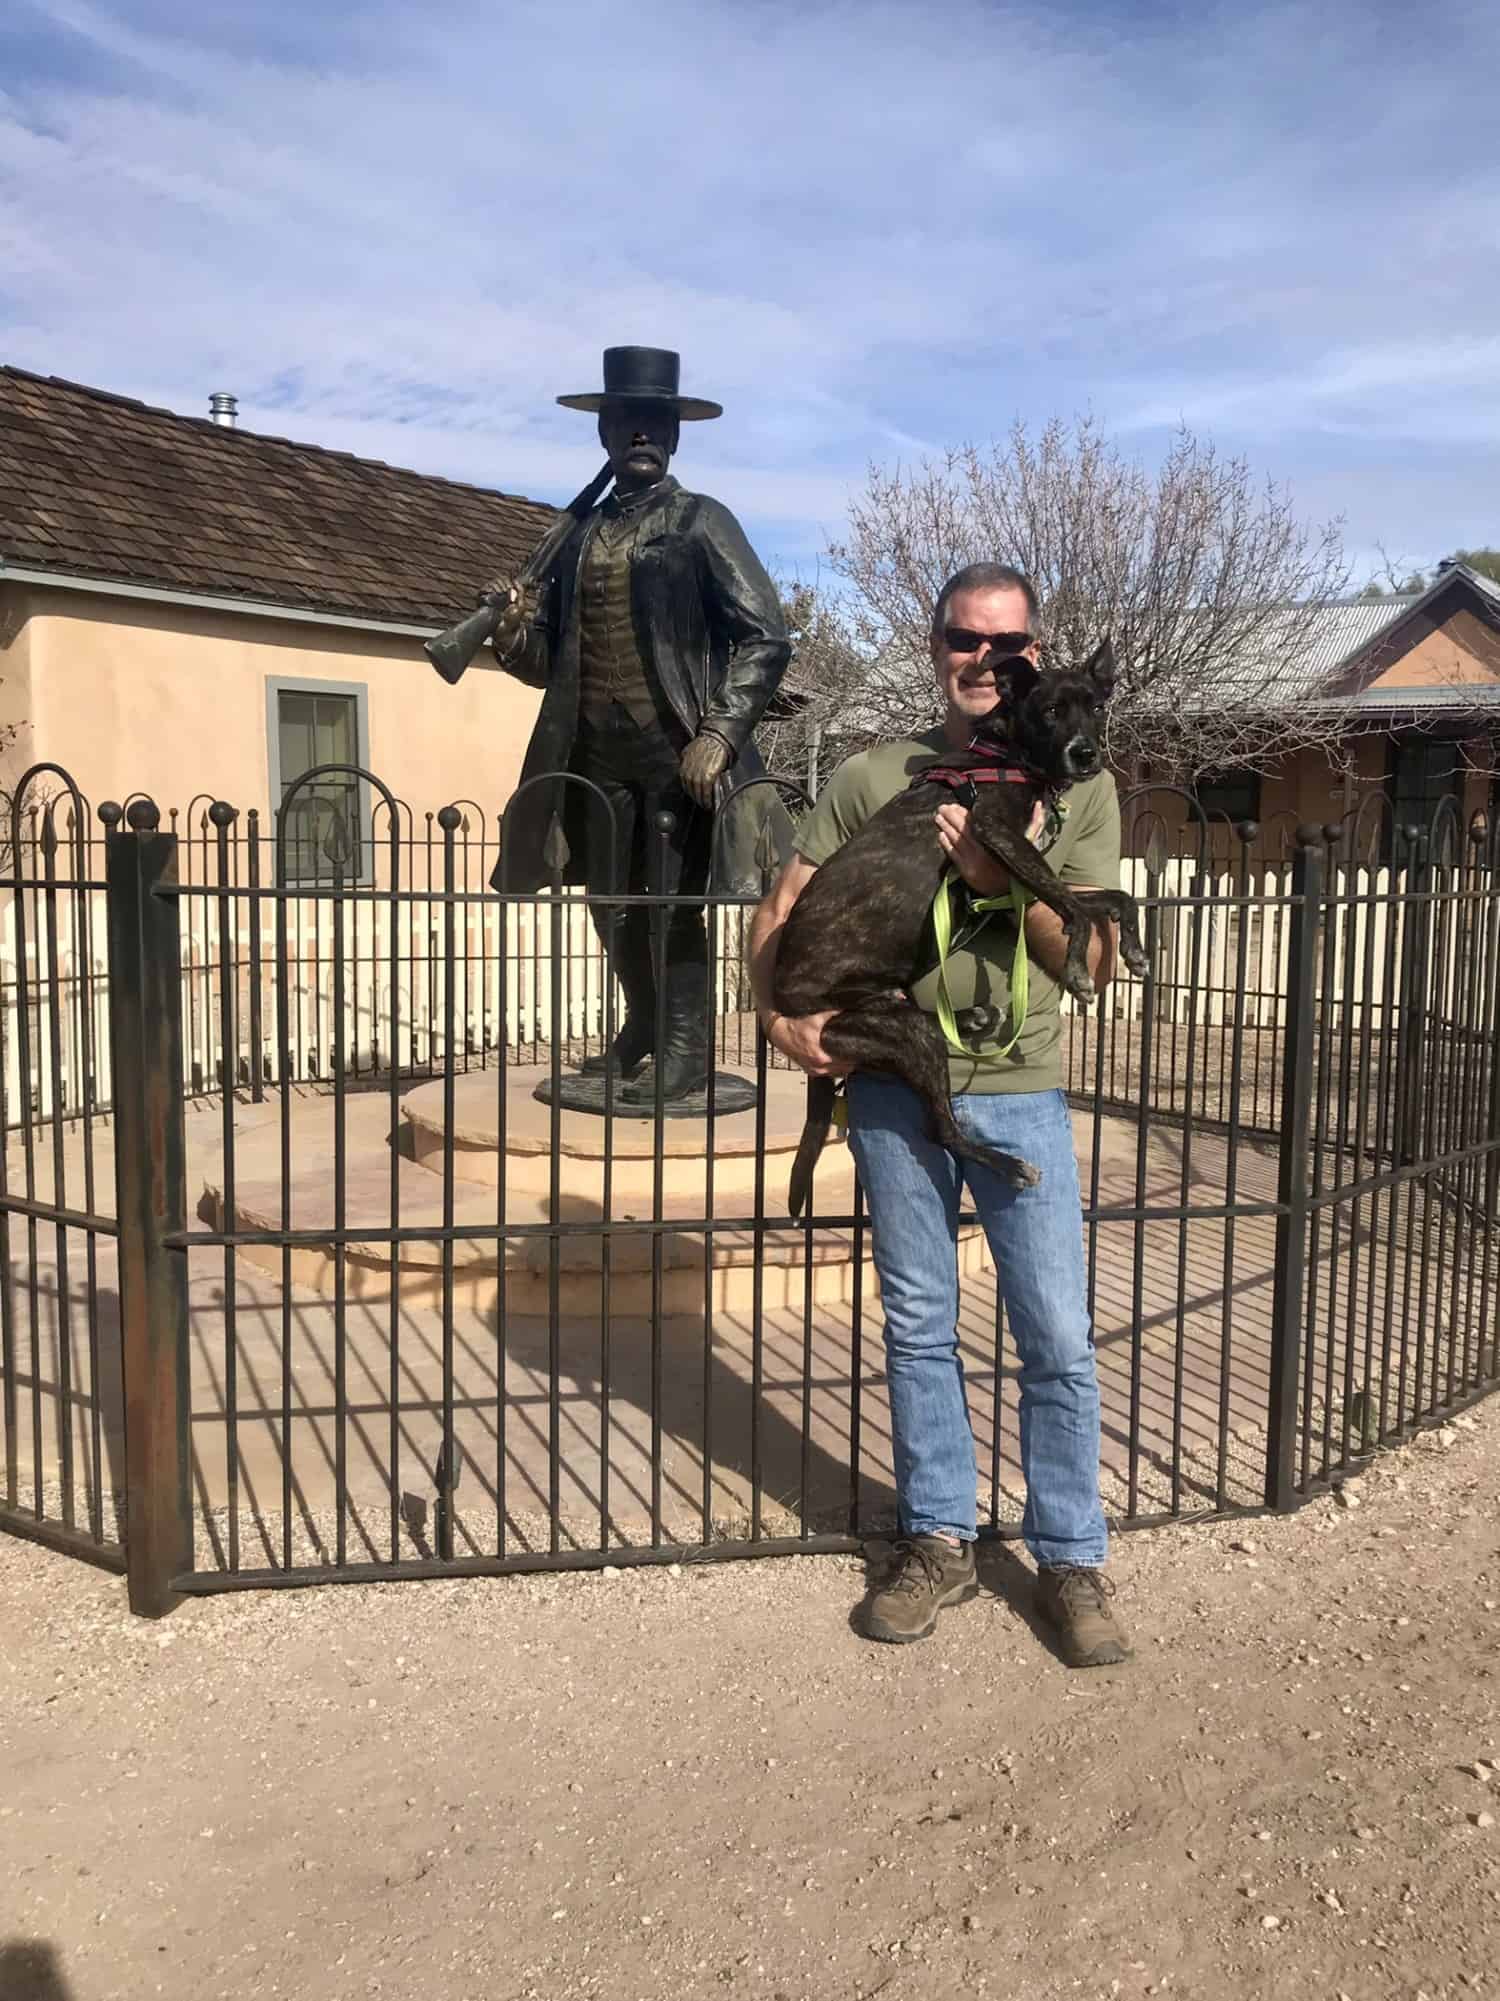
x=659, y=640
x=985, y=615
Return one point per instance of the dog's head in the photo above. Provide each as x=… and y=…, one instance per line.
x=1052, y=722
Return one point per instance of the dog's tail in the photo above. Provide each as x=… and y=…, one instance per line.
x=821, y=1094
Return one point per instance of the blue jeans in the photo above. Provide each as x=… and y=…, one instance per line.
x=912, y=1190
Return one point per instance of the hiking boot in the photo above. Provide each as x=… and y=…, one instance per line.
x=926, y=1573
x=1078, y=1605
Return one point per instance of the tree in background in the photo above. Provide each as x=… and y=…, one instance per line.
x=1205, y=577
x=813, y=723
x=9, y=736
x=1486, y=562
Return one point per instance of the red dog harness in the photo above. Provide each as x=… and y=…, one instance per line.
x=964, y=784
x=995, y=770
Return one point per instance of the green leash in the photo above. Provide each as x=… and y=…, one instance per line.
x=1016, y=901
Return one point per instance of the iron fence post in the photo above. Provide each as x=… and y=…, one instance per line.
x=145, y=1024
x=1289, y=1277
x=257, y=1027
x=1411, y=1025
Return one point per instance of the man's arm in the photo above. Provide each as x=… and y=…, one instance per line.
x=1046, y=935
x=797, y=1036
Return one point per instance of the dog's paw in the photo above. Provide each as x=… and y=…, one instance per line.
x=976, y=1022
x=1079, y=985
x=1135, y=958
x=1024, y=1175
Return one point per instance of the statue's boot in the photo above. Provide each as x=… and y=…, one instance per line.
x=626, y=938
x=683, y=1056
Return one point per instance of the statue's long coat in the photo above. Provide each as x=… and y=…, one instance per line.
x=711, y=629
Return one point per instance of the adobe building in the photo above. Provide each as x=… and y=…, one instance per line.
x=193, y=610
x=1411, y=685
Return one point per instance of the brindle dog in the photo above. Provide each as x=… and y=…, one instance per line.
x=860, y=932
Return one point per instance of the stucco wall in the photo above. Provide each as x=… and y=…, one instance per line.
x=1461, y=652
x=15, y=680
x=1312, y=788
x=132, y=696
x=1322, y=788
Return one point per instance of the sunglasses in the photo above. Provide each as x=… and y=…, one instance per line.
x=959, y=639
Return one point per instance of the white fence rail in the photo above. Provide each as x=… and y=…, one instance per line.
x=382, y=968
x=392, y=993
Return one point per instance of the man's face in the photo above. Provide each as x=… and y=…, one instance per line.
x=966, y=671
x=640, y=439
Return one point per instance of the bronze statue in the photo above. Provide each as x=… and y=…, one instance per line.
x=659, y=640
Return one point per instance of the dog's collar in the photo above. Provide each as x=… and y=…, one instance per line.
x=996, y=769
x=964, y=783
x=983, y=774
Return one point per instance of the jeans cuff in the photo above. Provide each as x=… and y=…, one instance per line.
x=1068, y=1556
x=939, y=1528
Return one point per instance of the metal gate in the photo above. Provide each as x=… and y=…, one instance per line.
x=302, y=1283
x=60, y=1378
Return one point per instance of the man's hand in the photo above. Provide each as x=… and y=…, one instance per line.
x=978, y=867
x=516, y=619
x=703, y=764
x=800, y=1036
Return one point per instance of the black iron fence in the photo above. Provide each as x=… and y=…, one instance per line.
x=392, y=965
x=301, y=1280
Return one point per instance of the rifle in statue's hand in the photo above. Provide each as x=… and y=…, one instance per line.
x=452, y=650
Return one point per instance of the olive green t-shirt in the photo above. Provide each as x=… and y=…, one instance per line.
x=1086, y=854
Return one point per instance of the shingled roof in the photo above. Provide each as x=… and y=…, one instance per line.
x=96, y=485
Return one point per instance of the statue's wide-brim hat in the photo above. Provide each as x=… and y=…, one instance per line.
x=643, y=375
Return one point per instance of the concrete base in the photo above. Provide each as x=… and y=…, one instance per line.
x=501, y=1170
x=567, y=1432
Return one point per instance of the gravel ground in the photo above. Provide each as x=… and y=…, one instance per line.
x=701, y=1782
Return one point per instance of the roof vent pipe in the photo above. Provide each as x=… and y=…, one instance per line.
x=223, y=409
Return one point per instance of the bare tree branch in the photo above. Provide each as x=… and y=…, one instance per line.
x=1212, y=587
x=813, y=723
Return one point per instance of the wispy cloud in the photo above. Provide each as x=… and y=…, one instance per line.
x=1423, y=390
x=872, y=230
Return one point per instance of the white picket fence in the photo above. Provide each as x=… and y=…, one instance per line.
x=1200, y=913
x=392, y=998
x=393, y=994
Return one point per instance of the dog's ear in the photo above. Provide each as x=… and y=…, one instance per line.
x=1100, y=668
x=1018, y=678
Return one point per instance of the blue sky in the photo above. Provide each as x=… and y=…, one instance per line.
x=873, y=230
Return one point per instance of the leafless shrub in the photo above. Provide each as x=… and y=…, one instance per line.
x=815, y=721
x=1210, y=585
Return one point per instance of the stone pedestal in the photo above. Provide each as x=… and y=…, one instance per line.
x=731, y=1171
x=730, y=1092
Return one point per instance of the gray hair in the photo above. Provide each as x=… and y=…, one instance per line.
x=987, y=577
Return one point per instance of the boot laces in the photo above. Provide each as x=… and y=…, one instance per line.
x=914, y=1568
x=1079, y=1587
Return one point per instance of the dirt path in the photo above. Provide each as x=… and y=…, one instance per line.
x=646, y=1786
